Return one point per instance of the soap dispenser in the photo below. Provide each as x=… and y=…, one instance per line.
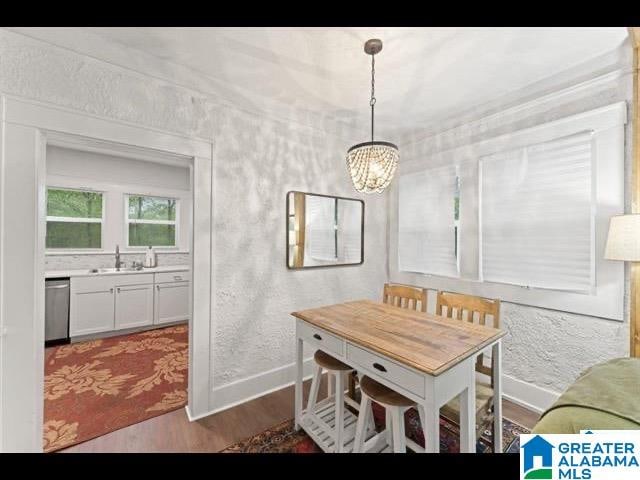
x=150, y=258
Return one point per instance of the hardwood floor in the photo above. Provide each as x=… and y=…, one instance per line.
x=173, y=432
x=518, y=414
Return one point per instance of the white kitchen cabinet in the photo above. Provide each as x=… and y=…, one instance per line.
x=133, y=306
x=108, y=303
x=91, y=308
x=171, y=302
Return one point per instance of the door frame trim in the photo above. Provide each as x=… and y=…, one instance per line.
x=21, y=429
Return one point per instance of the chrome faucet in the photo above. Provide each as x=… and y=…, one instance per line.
x=118, y=262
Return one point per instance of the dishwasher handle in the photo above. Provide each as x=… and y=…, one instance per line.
x=57, y=287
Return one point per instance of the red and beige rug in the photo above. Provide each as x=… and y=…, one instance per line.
x=283, y=438
x=95, y=387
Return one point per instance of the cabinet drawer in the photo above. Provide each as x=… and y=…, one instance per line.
x=92, y=284
x=133, y=279
x=321, y=338
x=167, y=277
x=106, y=282
x=401, y=376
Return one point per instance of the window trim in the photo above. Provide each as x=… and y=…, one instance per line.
x=175, y=223
x=101, y=221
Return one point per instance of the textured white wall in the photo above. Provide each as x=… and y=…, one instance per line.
x=257, y=160
x=546, y=348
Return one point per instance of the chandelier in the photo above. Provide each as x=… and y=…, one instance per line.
x=372, y=164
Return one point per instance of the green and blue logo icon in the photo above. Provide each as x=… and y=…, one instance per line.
x=538, y=459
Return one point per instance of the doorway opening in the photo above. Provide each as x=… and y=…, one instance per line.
x=118, y=227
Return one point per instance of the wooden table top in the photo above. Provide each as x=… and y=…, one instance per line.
x=426, y=342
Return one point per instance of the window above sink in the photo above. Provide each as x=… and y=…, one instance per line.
x=74, y=219
x=151, y=221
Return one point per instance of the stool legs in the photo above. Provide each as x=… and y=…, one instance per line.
x=388, y=428
x=364, y=414
x=315, y=387
x=338, y=447
x=399, y=439
x=394, y=433
x=423, y=423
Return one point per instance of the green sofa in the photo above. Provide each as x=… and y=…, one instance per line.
x=604, y=397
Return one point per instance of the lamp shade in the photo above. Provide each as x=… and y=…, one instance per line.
x=623, y=242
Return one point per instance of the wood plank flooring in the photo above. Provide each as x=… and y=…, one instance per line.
x=173, y=432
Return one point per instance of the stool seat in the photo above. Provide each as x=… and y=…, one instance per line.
x=328, y=362
x=383, y=394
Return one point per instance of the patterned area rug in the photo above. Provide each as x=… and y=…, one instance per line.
x=283, y=438
x=98, y=386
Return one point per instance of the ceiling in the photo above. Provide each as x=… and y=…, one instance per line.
x=422, y=74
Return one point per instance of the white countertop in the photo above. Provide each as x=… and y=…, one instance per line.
x=87, y=272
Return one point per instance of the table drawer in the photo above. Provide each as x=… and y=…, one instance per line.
x=170, y=277
x=321, y=338
x=385, y=368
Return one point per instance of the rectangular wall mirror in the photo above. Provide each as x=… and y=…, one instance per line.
x=324, y=231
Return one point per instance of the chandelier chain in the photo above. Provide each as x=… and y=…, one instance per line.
x=372, y=102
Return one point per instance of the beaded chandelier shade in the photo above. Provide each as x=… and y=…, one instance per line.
x=372, y=164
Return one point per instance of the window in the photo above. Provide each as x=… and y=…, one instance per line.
x=151, y=221
x=537, y=215
x=74, y=219
x=427, y=233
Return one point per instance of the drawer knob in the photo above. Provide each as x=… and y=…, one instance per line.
x=317, y=337
x=377, y=366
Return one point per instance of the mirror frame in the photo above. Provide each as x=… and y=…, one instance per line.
x=286, y=217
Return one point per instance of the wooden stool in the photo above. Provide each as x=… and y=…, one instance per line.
x=395, y=406
x=339, y=370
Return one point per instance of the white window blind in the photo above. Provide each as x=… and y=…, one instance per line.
x=349, y=231
x=537, y=215
x=320, y=232
x=426, y=223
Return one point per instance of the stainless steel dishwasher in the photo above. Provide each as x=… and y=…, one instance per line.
x=56, y=311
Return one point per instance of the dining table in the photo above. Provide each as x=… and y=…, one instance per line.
x=425, y=357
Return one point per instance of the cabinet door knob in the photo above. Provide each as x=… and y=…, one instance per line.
x=111, y=290
x=158, y=287
x=118, y=289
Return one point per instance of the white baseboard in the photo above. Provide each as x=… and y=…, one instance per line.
x=527, y=395
x=191, y=417
x=250, y=388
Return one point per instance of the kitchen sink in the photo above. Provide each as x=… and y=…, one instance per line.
x=113, y=270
